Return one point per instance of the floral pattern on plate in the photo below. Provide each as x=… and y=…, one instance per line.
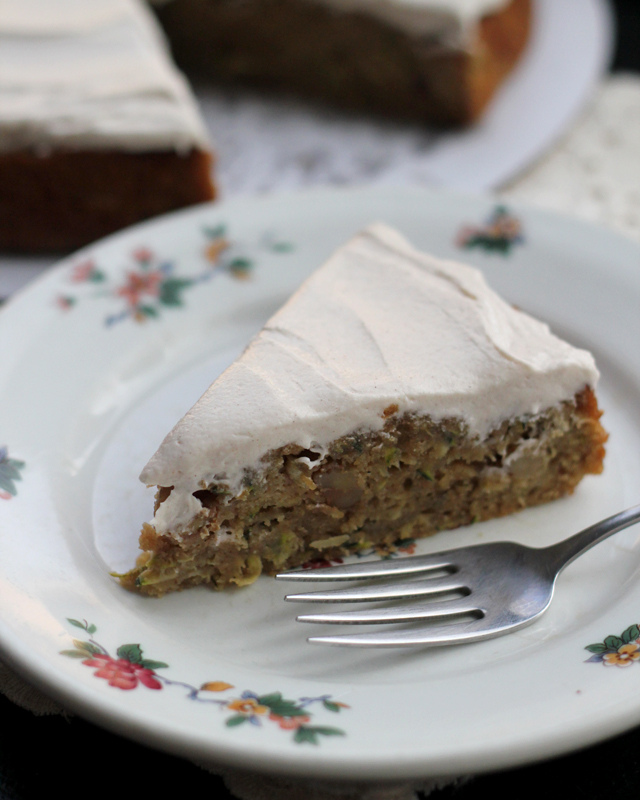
x=10, y=472
x=152, y=283
x=129, y=669
x=617, y=651
x=499, y=234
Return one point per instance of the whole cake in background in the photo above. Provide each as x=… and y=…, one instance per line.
x=436, y=61
x=98, y=129
x=393, y=396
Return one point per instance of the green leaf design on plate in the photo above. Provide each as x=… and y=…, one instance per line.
x=83, y=649
x=9, y=472
x=84, y=625
x=73, y=653
x=597, y=648
x=236, y=720
x=148, y=663
x=11, y=469
x=283, y=708
x=171, y=291
x=309, y=733
x=8, y=485
x=282, y=247
x=613, y=642
x=216, y=231
x=240, y=263
x=88, y=648
x=131, y=652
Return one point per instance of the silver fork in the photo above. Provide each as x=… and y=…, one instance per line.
x=499, y=587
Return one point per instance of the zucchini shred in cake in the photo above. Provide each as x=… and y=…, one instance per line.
x=393, y=396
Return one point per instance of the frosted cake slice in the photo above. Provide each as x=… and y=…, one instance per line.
x=393, y=396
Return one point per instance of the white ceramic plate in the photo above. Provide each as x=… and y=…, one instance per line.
x=100, y=356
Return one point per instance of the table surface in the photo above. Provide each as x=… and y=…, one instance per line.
x=82, y=757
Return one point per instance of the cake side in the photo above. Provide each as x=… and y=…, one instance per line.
x=68, y=199
x=409, y=480
x=399, y=59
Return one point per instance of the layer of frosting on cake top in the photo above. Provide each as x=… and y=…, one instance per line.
x=451, y=22
x=378, y=324
x=91, y=73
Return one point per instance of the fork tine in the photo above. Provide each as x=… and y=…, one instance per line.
x=373, y=569
x=378, y=591
x=433, y=635
x=407, y=613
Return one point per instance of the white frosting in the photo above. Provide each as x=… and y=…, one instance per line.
x=451, y=21
x=378, y=324
x=91, y=73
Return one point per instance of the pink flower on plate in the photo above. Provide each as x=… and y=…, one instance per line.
x=83, y=271
x=290, y=723
x=139, y=284
x=64, y=302
x=122, y=673
x=143, y=254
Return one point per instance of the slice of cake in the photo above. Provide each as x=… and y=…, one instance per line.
x=98, y=129
x=439, y=61
x=393, y=396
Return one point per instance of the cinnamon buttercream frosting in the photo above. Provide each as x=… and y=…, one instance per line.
x=451, y=22
x=379, y=324
x=91, y=73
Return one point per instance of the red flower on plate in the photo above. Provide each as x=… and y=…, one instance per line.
x=290, y=723
x=143, y=254
x=140, y=283
x=83, y=271
x=122, y=673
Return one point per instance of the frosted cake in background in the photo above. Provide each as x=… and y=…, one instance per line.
x=436, y=61
x=98, y=129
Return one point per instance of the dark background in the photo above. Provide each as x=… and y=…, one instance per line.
x=75, y=758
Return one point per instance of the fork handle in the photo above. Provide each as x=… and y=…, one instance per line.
x=563, y=553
